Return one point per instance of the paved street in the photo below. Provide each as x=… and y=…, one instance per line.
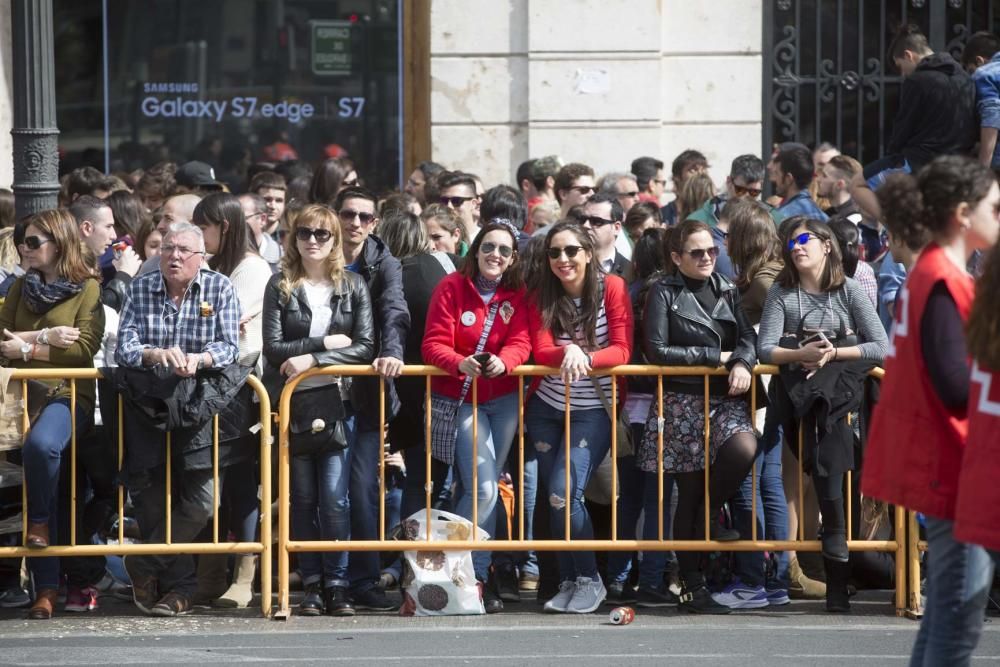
x=800, y=634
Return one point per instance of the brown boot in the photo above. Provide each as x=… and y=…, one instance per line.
x=241, y=592
x=45, y=604
x=38, y=535
x=802, y=587
x=212, y=571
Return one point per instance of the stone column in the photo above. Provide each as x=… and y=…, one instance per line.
x=35, y=135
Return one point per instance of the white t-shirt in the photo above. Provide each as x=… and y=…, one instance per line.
x=318, y=298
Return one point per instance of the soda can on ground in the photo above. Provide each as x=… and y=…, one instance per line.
x=621, y=615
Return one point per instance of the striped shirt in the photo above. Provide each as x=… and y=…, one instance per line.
x=583, y=395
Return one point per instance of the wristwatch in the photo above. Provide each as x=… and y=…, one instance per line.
x=43, y=338
x=25, y=351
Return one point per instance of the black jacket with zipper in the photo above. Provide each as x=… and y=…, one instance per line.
x=677, y=330
x=286, y=329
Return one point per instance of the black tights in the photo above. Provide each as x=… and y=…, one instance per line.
x=732, y=464
x=830, y=494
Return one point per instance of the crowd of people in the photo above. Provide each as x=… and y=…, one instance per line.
x=179, y=290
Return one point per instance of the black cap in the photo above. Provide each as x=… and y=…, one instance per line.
x=197, y=174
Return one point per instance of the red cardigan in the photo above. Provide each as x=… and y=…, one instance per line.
x=617, y=307
x=448, y=340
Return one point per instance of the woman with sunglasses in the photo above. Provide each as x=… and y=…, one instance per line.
x=52, y=318
x=581, y=320
x=694, y=318
x=917, y=455
x=486, y=293
x=815, y=315
x=316, y=313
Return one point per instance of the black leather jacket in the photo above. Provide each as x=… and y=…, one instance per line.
x=286, y=329
x=677, y=332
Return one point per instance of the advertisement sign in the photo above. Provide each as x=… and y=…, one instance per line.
x=330, y=48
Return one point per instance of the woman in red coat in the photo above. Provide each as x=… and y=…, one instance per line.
x=581, y=320
x=486, y=295
x=919, y=427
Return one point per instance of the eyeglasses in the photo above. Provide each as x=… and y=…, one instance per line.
x=595, y=221
x=583, y=189
x=346, y=215
x=801, y=239
x=35, y=242
x=698, y=254
x=182, y=252
x=488, y=248
x=742, y=190
x=305, y=233
x=454, y=202
x=570, y=251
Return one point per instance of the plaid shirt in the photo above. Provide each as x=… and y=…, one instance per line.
x=208, y=319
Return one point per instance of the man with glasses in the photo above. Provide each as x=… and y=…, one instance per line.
x=175, y=322
x=574, y=186
x=603, y=216
x=650, y=177
x=179, y=208
x=626, y=190
x=745, y=181
x=368, y=256
x=255, y=210
x=457, y=190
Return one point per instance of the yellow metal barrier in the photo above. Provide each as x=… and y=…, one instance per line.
x=287, y=546
x=263, y=547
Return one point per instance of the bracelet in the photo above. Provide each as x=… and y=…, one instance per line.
x=43, y=337
x=835, y=353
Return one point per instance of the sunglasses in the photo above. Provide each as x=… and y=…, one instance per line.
x=321, y=235
x=346, y=215
x=570, y=251
x=35, y=242
x=488, y=248
x=583, y=189
x=454, y=202
x=801, y=239
x=699, y=253
x=742, y=190
x=595, y=221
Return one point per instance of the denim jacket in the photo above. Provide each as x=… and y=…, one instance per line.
x=987, y=80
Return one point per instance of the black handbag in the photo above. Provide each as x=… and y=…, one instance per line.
x=316, y=424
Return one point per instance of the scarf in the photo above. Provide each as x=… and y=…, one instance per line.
x=485, y=286
x=40, y=297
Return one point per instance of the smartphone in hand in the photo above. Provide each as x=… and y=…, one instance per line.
x=482, y=359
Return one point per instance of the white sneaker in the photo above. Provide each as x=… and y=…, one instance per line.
x=589, y=595
x=558, y=603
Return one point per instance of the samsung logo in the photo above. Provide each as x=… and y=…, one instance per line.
x=151, y=87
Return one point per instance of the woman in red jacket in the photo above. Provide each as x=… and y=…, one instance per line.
x=919, y=427
x=485, y=299
x=581, y=320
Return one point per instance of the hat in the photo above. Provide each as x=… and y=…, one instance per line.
x=546, y=166
x=196, y=174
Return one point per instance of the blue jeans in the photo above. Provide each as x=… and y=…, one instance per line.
x=771, y=507
x=525, y=561
x=958, y=584
x=364, y=568
x=631, y=496
x=42, y=457
x=321, y=509
x=497, y=424
x=416, y=478
x=590, y=440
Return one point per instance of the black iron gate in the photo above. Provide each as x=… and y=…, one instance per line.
x=825, y=72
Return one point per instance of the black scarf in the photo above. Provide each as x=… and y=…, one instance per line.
x=40, y=297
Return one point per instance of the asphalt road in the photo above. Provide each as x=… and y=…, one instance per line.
x=799, y=634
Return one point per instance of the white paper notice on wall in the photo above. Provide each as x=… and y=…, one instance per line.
x=592, y=81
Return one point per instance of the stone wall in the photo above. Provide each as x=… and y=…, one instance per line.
x=595, y=81
x=6, y=98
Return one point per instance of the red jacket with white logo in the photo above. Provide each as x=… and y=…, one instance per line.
x=977, y=517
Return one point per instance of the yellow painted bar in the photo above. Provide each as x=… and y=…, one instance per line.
x=381, y=458
x=520, y=457
x=428, y=487
x=596, y=545
x=474, y=454
x=566, y=492
x=708, y=435
x=659, y=455
x=215, y=479
x=72, y=462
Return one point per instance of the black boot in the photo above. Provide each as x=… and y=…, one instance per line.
x=312, y=601
x=696, y=598
x=837, y=575
x=337, y=601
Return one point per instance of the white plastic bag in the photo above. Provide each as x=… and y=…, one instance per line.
x=440, y=583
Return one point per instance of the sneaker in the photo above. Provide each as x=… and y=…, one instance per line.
x=112, y=586
x=619, y=594
x=738, y=595
x=81, y=599
x=777, y=595
x=374, y=599
x=312, y=602
x=528, y=582
x=172, y=604
x=144, y=588
x=557, y=604
x=699, y=601
x=588, y=596
x=505, y=581
x=337, y=602
x=14, y=598
x=387, y=581
x=650, y=598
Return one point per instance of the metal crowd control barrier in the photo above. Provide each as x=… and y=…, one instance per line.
x=287, y=546
x=263, y=547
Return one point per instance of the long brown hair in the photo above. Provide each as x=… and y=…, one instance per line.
x=217, y=210
x=292, y=272
x=72, y=263
x=753, y=240
x=560, y=314
x=984, y=320
x=832, y=276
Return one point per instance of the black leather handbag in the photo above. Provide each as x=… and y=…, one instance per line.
x=317, y=421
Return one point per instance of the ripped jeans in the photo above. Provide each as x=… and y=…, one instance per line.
x=590, y=440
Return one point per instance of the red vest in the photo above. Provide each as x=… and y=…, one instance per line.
x=915, y=444
x=977, y=517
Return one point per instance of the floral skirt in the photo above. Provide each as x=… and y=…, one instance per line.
x=684, y=430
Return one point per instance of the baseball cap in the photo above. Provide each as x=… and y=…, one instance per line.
x=197, y=174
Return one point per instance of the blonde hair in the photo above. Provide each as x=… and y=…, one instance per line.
x=313, y=216
x=8, y=251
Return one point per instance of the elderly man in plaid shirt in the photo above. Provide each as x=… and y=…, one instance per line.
x=183, y=317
